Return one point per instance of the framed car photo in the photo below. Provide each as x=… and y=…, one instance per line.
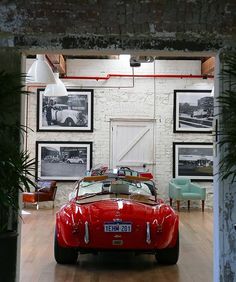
x=193, y=160
x=193, y=111
x=66, y=161
x=65, y=113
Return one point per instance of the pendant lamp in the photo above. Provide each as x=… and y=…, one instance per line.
x=40, y=72
x=56, y=89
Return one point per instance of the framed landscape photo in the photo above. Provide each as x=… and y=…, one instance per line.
x=65, y=113
x=193, y=160
x=66, y=161
x=193, y=111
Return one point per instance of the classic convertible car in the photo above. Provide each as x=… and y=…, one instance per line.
x=75, y=160
x=116, y=212
x=62, y=115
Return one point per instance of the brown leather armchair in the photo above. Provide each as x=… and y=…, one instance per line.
x=45, y=191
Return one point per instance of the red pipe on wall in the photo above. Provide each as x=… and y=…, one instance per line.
x=110, y=75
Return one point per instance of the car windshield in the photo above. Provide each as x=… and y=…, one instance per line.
x=60, y=107
x=132, y=187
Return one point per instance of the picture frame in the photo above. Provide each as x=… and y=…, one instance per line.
x=193, y=160
x=65, y=113
x=65, y=161
x=193, y=111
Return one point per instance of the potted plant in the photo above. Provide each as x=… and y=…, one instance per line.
x=16, y=170
x=227, y=113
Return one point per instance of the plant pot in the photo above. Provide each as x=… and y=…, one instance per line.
x=8, y=256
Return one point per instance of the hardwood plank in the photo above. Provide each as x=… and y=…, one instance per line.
x=195, y=262
x=208, y=66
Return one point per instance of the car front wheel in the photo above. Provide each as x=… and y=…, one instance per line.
x=168, y=255
x=69, y=122
x=64, y=255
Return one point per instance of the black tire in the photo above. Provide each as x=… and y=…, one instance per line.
x=69, y=122
x=168, y=255
x=64, y=255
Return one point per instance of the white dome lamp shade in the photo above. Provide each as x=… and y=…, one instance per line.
x=56, y=89
x=40, y=72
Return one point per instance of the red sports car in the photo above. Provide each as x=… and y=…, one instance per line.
x=116, y=212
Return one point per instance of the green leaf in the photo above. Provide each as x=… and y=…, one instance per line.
x=227, y=114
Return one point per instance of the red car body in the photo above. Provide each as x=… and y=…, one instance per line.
x=117, y=220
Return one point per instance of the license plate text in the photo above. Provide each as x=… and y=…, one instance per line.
x=117, y=227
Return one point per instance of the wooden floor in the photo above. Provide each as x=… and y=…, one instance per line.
x=195, y=263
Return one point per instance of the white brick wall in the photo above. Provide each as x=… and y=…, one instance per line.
x=128, y=98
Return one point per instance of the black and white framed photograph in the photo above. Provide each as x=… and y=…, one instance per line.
x=65, y=113
x=66, y=161
x=193, y=111
x=193, y=160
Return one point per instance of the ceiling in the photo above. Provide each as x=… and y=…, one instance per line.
x=58, y=61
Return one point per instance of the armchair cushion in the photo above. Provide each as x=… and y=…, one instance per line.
x=181, y=181
x=46, y=187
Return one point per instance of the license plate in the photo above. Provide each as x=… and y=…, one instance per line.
x=117, y=227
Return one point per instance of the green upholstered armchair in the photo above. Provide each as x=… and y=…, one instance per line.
x=181, y=188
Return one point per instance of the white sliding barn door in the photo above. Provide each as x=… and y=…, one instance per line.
x=132, y=144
